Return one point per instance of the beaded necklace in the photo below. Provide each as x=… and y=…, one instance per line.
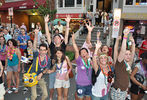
x=11, y=53
x=30, y=53
x=106, y=74
x=46, y=61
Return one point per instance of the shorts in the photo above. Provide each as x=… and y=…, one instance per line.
x=2, y=91
x=117, y=94
x=12, y=68
x=135, y=89
x=52, y=78
x=61, y=83
x=101, y=98
x=84, y=90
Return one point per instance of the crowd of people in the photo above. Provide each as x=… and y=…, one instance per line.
x=99, y=75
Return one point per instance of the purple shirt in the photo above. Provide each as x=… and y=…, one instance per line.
x=83, y=74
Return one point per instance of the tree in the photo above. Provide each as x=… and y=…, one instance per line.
x=46, y=9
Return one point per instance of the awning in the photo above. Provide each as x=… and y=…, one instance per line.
x=21, y=5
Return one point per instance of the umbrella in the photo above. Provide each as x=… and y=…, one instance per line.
x=55, y=22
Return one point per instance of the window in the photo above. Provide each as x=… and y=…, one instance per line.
x=60, y=3
x=69, y=3
x=129, y=2
x=141, y=2
x=79, y=3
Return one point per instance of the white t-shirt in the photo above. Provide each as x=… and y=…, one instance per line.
x=101, y=87
x=59, y=27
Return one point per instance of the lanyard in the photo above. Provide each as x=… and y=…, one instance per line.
x=86, y=65
x=59, y=68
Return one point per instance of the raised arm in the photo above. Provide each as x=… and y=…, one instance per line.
x=88, y=38
x=48, y=35
x=123, y=46
x=69, y=64
x=94, y=58
x=132, y=50
x=67, y=28
x=75, y=46
x=35, y=39
x=115, y=55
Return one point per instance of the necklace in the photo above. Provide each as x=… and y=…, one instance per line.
x=59, y=68
x=24, y=38
x=88, y=63
x=11, y=53
x=2, y=49
x=30, y=53
x=46, y=61
x=105, y=74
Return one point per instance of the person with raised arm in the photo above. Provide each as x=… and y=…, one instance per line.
x=102, y=75
x=44, y=63
x=12, y=64
x=122, y=68
x=84, y=66
x=57, y=41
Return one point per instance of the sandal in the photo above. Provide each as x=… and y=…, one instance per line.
x=8, y=90
x=16, y=90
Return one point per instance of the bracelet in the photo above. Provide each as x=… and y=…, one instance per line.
x=125, y=38
x=94, y=54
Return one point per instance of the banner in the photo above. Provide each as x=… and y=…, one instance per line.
x=10, y=11
x=116, y=22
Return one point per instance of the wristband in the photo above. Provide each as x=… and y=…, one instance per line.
x=125, y=38
x=95, y=55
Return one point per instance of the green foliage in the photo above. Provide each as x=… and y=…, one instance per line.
x=70, y=54
x=45, y=9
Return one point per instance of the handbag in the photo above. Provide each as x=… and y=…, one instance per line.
x=30, y=79
x=139, y=78
x=71, y=75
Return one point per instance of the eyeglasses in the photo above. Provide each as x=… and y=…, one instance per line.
x=42, y=49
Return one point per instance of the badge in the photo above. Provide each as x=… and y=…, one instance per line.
x=82, y=67
x=80, y=91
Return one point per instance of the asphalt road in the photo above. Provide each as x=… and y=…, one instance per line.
x=25, y=95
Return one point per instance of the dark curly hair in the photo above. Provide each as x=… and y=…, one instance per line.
x=13, y=41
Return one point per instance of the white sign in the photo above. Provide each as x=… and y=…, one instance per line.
x=116, y=22
x=10, y=11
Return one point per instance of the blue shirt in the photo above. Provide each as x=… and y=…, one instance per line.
x=40, y=68
x=23, y=39
x=7, y=37
x=14, y=60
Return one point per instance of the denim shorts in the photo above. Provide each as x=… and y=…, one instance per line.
x=12, y=68
x=52, y=78
x=84, y=90
x=100, y=98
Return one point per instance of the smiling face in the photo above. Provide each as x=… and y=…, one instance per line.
x=59, y=54
x=84, y=54
x=103, y=59
x=57, y=39
x=2, y=40
x=105, y=49
x=127, y=55
x=30, y=44
x=42, y=51
x=10, y=44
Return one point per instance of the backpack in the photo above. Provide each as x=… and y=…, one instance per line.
x=94, y=76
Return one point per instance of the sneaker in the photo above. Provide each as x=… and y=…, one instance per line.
x=16, y=91
x=25, y=89
x=13, y=88
x=9, y=91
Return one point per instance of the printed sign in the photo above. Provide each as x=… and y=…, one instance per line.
x=10, y=11
x=116, y=22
